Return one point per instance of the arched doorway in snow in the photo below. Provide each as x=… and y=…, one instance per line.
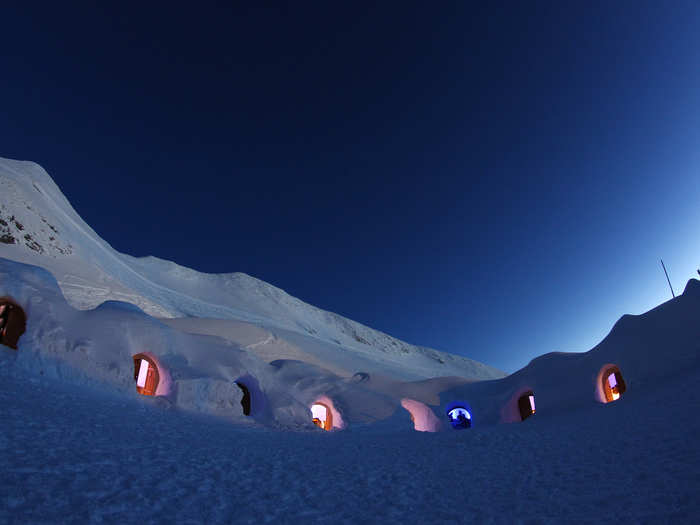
x=423, y=418
x=322, y=416
x=13, y=322
x=245, y=401
x=526, y=405
x=325, y=414
x=610, y=384
x=459, y=415
x=146, y=374
x=253, y=401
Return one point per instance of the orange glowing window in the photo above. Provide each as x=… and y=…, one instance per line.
x=613, y=384
x=146, y=375
x=526, y=405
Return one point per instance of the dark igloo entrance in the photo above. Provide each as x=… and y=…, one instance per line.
x=526, y=405
x=13, y=322
x=253, y=400
x=245, y=401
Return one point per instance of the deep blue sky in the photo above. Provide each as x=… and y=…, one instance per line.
x=498, y=182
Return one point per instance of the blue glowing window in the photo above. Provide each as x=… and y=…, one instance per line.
x=460, y=417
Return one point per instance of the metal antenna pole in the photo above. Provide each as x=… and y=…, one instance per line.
x=669, y=280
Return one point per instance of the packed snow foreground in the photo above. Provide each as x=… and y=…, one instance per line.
x=88, y=334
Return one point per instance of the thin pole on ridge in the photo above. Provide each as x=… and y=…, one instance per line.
x=669, y=280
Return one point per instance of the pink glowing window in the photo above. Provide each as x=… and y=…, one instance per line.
x=143, y=373
x=612, y=381
x=532, y=402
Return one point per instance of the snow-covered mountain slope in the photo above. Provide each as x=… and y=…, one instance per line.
x=39, y=226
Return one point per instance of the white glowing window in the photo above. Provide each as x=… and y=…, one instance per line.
x=319, y=412
x=615, y=396
x=143, y=372
x=456, y=412
x=612, y=381
x=532, y=402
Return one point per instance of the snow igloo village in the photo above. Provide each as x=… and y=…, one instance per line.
x=135, y=390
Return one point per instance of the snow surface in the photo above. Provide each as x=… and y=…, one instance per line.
x=78, y=455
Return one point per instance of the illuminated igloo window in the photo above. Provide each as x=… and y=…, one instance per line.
x=13, y=322
x=612, y=384
x=146, y=375
x=526, y=405
x=325, y=414
x=322, y=416
x=459, y=416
